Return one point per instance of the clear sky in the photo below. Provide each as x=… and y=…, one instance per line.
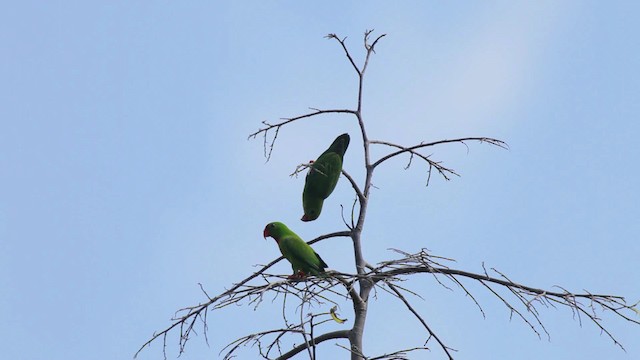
x=126, y=176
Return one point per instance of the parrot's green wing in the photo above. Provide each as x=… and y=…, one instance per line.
x=301, y=255
x=322, y=177
x=320, y=182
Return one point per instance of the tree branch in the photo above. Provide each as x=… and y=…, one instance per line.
x=370, y=49
x=340, y=334
x=421, y=262
x=196, y=311
x=444, y=171
x=424, y=323
x=410, y=149
x=346, y=51
x=355, y=187
x=277, y=126
x=397, y=355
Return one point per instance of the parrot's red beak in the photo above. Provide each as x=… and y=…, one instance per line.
x=265, y=233
x=305, y=218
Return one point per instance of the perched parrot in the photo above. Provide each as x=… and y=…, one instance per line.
x=303, y=259
x=322, y=177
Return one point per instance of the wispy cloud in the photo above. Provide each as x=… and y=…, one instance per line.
x=494, y=71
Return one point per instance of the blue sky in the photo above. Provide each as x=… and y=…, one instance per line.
x=127, y=176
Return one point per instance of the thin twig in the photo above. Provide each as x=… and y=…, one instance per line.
x=276, y=127
x=424, y=323
x=410, y=149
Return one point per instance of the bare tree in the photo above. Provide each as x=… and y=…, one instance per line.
x=314, y=298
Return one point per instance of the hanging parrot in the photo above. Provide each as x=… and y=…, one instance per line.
x=322, y=177
x=303, y=259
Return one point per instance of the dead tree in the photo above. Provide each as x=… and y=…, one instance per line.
x=314, y=298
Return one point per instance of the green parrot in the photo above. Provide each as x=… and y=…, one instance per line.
x=303, y=259
x=322, y=177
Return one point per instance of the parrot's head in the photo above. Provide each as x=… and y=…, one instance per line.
x=312, y=206
x=274, y=229
x=312, y=210
x=310, y=217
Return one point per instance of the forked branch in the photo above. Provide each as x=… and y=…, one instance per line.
x=186, y=318
x=412, y=150
x=276, y=127
x=369, y=47
x=581, y=304
x=267, y=346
